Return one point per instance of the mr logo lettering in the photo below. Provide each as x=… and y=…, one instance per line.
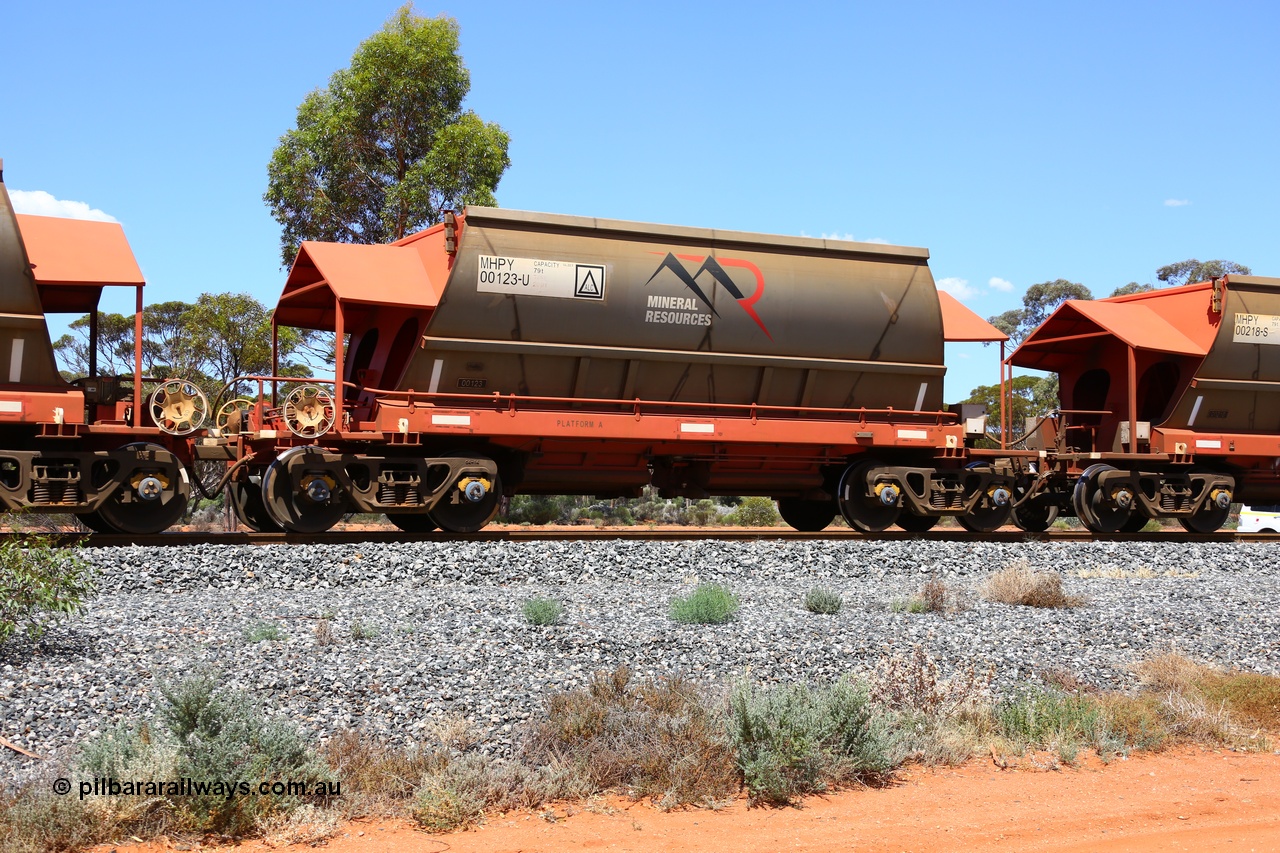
x=715, y=269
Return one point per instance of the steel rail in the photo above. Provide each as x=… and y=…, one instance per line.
x=353, y=537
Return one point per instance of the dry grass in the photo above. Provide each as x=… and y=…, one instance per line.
x=913, y=683
x=377, y=779
x=656, y=739
x=1203, y=704
x=1019, y=584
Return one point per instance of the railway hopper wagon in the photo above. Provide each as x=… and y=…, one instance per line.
x=1170, y=407
x=96, y=447
x=505, y=352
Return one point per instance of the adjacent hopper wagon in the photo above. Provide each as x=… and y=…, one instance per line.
x=1170, y=406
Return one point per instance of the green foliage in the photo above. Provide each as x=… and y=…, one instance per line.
x=1038, y=303
x=361, y=631
x=385, y=148
x=39, y=584
x=210, y=341
x=220, y=736
x=792, y=741
x=261, y=630
x=1031, y=396
x=1051, y=719
x=756, y=511
x=542, y=611
x=1132, y=287
x=536, y=509
x=709, y=604
x=825, y=601
x=1191, y=271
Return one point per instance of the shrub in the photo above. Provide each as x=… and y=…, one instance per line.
x=655, y=738
x=1051, y=719
x=709, y=604
x=361, y=631
x=39, y=584
x=261, y=630
x=324, y=633
x=756, y=511
x=1018, y=584
x=219, y=735
x=792, y=741
x=913, y=683
x=934, y=596
x=377, y=779
x=825, y=601
x=542, y=611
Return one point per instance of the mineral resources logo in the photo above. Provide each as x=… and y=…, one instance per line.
x=685, y=311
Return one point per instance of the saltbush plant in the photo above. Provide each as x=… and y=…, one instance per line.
x=794, y=740
x=542, y=611
x=709, y=604
x=260, y=630
x=823, y=601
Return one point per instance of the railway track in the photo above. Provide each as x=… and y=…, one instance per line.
x=356, y=536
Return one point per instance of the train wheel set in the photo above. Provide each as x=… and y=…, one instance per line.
x=506, y=352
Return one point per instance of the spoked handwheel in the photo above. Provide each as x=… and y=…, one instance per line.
x=178, y=407
x=233, y=416
x=154, y=496
x=246, y=502
x=309, y=411
x=471, y=501
x=913, y=523
x=413, y=522
x=872, y=512
x=1097, y=510
x=805, y=515
x=300, y=494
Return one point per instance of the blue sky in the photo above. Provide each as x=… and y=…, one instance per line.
x=1018, y=142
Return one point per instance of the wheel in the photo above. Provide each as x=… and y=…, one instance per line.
x=470, y=503
x=415, y=522
x=864, y=512
x=1035, y=518
x=95, y=522
x=1208, y=519
x=178, y=407
x=1095, y=509
x=298, y=499
x=1136, y=522
x=985, y=517
x=807, y=516
x=152, y=499
x=309, y=411
x=913, y=523
x=246, y=502
x=233, y=416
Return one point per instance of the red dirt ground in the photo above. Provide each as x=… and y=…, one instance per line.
x=1181, y=800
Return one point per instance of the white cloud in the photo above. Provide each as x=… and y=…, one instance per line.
x=1003, y=285
x=1176, y=202
x=852, y=239
x=41, y=203
x=957, y=287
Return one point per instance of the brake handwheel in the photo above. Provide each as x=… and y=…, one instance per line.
x=309, y=411
x=178, y=407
